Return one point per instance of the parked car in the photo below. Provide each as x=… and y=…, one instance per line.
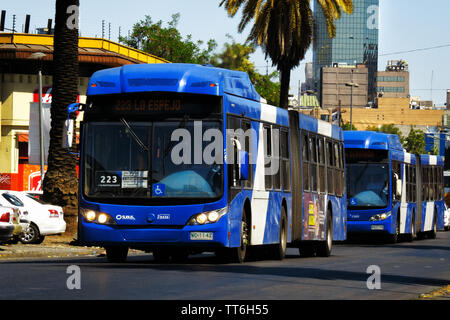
x=44, y=219
x=12, y=217
x=6, y=226
x=447, y=218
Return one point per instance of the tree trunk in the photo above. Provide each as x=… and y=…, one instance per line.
x=60, y=184
x=285, y=78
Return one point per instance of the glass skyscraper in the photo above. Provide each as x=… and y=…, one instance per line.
x=356, y=40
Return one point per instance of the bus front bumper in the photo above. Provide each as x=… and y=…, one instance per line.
x=383, y=226
x=209, y=235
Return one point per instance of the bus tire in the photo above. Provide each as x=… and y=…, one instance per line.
x=324, y=247
x=433, y=233
x=116, y=254
x=393, y=238
x=238, y=254
x=411, y=236
x=279, y=250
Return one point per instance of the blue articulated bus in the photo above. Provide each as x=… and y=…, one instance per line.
x=391, y=191
x=181, y=158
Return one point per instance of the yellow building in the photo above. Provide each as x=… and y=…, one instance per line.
x=393, y=111
x=19, y=87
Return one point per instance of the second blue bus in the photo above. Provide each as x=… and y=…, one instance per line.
x=390, y=191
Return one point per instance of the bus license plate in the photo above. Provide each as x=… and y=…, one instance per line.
x=201, y=235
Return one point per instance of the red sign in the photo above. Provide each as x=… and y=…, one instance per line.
x=46, y=95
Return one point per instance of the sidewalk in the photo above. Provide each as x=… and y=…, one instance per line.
x=52, y=247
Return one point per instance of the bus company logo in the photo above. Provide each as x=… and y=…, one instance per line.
x=163, y=216
x=125, y=217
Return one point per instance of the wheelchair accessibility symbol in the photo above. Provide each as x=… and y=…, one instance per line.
x=159, y=190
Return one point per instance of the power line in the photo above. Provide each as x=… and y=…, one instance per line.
x=415, y=50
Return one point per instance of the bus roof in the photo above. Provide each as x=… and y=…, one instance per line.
x=321, y=127
x=372, y=140
x=172, y=77
x=431, y=160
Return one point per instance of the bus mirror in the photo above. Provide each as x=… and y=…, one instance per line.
x=67, y=138
x=243, y=165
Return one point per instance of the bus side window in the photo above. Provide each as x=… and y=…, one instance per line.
x=424, y=184
x=285, y=161
x=277, y=158
x=408, y=183
x=246, y=127
x=342, y=167
x=268, y=156
x=313, y=163
x=305, y=161
x=322, y=175
x=330, y=165
x=336, y=173
x=233, y=123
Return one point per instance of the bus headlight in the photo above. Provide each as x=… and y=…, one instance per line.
x=92, y=216
x=380, y=217
x=207, y=217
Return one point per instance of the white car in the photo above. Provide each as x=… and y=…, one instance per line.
x=447, y=218
x=13, y=217
x=44, y=219
x=8, y=223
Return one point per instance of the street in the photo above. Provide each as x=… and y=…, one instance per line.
x=407, y=270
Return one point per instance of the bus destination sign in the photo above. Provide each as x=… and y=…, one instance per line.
x=147, y=105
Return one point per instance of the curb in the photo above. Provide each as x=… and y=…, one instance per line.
x=10, y=252
x=437, y=294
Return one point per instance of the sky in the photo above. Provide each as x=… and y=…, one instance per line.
x=405, y=25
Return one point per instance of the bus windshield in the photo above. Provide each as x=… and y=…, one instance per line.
x=368, y=185
x=139, y=160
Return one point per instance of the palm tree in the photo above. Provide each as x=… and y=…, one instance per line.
x=60, y=183
x=284, y=29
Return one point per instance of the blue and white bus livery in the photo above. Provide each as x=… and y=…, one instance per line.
x=177, y=158
x=389, y=190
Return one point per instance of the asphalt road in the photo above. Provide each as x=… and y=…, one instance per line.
x=406, y=271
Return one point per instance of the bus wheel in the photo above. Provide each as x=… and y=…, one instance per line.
x=410, y=237
x=279, y=250
x=116, y=254
x=239, y=253
x=433, y=233
x=324, y=247
x=393, y=238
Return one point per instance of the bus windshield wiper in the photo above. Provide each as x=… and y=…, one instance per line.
x=134, y=135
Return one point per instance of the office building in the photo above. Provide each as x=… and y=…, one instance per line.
x=336, y=90
x=394, y=81
x=356, y=41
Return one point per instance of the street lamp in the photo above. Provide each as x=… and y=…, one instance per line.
x=351, y=85
x=39, y=56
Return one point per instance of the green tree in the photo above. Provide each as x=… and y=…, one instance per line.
x=415, y=142
x=167, y=42
x=60, y=184
x=284, y=29
x=388, y=128
x=346, y=127
x=236, y=56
